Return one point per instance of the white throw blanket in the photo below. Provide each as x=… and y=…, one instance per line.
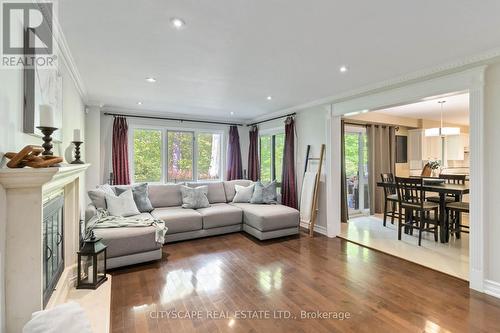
x=103, y=220
x=68, y=318
x=306, y=196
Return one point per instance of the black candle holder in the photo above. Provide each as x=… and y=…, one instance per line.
x=47, y=139
x=77, y=159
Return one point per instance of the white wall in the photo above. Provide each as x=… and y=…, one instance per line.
x=93, y=142
x=310, y=127
x=12, y=137
x=492, y=176
x=106, y=133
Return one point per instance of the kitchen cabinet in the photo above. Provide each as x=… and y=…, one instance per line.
x=456, y=146
x=422, y=148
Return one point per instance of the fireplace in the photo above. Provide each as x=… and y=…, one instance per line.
x=41, y=241
x=53, y=244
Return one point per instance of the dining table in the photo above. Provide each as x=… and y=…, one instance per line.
x=444, y=190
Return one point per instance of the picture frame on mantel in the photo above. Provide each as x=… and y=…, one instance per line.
x=42, y=86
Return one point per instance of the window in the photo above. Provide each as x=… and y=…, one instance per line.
x=147, y=157
x=209, y=156
x=171, y=155
x=180, y=156
x=271, y=157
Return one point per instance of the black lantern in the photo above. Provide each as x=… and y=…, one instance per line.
x=91, y=264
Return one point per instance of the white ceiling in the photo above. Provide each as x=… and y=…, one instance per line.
x=234, y=53
x=455, y=110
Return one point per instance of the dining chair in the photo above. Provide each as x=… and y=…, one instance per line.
x=411, y=198
x=390, y=197
x=454, y=212
x=426, y=171
x=449, y=179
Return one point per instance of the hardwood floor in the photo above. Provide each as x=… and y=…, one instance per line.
x=231, y=276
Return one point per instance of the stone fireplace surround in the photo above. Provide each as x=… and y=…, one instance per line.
x=26, y=191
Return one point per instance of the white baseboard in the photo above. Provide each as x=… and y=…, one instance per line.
x=492, y=288
x=317, y=228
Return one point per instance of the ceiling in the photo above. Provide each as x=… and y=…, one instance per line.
x=232, y=54
x=455, y=110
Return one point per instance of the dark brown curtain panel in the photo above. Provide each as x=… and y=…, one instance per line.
x=381, y=159
x=253, y=155
x=120, y=152
x=234, y=164
x=288, y=183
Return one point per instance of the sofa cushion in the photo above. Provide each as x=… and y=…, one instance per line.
x=194, y=198
x=268, y=217
x=229, y=187
x=122, y=205
x=168, y=195
x=141, y=196
x=125, y=241
x=98, y=195
x=220, y=215
x=264, y=194
x=216, y=192
x=178, y=219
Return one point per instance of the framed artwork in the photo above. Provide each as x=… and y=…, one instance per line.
x=42, y=86
x=401, y=149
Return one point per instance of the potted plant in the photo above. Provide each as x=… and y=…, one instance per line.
x=434, y=165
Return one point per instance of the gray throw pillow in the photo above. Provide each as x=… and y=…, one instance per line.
x=264, y=194
x=98, y=195
x=243, y=193
x=122, y=205
x=141, y=197
x=194, y=198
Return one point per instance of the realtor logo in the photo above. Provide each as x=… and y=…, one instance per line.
x=27, y=35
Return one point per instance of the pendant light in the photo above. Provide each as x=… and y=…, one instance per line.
x=441, y=130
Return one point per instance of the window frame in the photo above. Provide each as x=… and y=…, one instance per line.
x=273, y=132
x=164, y=147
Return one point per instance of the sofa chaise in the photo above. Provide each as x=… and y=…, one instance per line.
x=127, y=246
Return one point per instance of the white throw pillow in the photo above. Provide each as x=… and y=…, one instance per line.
x=243, y=193
x=122, y=205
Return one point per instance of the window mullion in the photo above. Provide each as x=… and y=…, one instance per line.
x=194, y=161
x=164, y=150
x=273, y=157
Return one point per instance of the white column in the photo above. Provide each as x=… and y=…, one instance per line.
x=333, y=155
x=477, y=216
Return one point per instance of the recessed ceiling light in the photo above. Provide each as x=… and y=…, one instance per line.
x=343, y=69
x=177, y=23
x=231, y=113
x=269, y=98
x=139, y=103
x=150, y=79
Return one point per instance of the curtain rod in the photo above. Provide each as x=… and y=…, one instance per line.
x=265, y=121
x=172, y=119
x=366, y=124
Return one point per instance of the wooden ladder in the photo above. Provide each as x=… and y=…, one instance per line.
x=314, y=208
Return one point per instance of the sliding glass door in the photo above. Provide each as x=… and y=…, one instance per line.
x=356, y=165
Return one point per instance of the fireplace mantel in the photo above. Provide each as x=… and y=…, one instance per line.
x=26, y=190
x=48, y=178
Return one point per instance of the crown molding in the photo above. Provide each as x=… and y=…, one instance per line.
x=482, y=59
x=64, y=52
x=69, y=62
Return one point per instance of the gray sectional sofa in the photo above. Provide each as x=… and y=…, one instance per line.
x=128, y=246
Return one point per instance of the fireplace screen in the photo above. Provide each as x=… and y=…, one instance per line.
x=53, y=244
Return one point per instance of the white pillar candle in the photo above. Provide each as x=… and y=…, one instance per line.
x=46, y=116
x=77, y=135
